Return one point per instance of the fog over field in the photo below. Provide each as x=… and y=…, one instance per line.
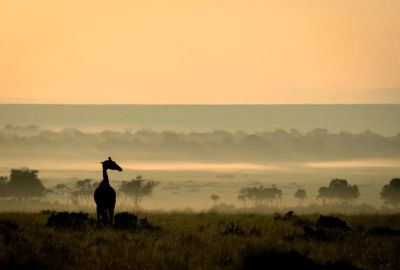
x=382, y=119
x=196, y=151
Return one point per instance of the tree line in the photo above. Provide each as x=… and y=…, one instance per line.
x=338, y=190
x=24, y=184
x=147, y=144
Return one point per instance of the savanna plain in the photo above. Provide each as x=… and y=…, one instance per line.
x=202, y=241
x=221, y=197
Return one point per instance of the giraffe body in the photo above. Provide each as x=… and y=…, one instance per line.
x=105, y=196
x=105, y=199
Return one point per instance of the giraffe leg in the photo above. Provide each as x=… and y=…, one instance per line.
x=98, y=216
x=105, y=217
x=111, y=212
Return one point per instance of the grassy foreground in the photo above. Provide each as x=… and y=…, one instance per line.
x=200, y=241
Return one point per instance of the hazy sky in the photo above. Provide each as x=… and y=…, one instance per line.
x=216, y=51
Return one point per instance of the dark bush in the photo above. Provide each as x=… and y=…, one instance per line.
x=288, y=216
x=277, y=216
x=233, y=229
x=8, y=230
x=326, y=228
x=383, y=231
x=293, y=218
x=126, y=221
x=315, y=234
x=330, y=222
x=69, y=220
x=271, y=259
x=144, y=224
x=255, y=231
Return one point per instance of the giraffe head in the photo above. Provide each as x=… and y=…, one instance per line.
x=110, y=164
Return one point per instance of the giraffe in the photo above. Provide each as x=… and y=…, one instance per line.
x=104, y=195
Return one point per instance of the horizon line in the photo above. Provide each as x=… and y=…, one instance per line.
x=200, y=104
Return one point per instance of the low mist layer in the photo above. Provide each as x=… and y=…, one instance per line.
x=189, y=167
x=382, y=119
x=32, y=142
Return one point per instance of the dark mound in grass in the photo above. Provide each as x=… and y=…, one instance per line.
x=272, y=259
x=67, y=220
x=126, y=221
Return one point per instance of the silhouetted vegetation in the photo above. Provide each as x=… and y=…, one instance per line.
x=330, y=222
x=198, y=241
x=214, y=197
x=257, y=199
x=273, y=259
x=64, y=193
x=8, y=230
x=288, y=216
x=383, y=231
x=391, y=193
x=326, y=228
x=339, y=189
x=318, y=144
x=234, y=228
x=145, y=225
x=23, y=184
x=3, y=186
x=70, y=220
x=83, y=193
x=126, y=221
x=138, y=188
x=300, y=194
x=261, y=196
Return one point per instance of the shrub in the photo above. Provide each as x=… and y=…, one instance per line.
x=69, y=220
x=126, y=221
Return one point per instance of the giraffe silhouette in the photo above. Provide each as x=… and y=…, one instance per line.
x=104, y=195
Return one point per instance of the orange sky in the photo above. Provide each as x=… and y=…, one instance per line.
x=205, y=51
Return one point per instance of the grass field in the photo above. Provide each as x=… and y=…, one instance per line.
x=200, y=241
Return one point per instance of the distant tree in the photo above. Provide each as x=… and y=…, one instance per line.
x=25, y=184
x=241, y=197
x=339, y=189
x=260, y=195
x=84, y=190
x=138, y=188
x=64, y=191
x=3, y=186
x=391, y=193
x=300, y=194
x=215, y=198
x=61, y=187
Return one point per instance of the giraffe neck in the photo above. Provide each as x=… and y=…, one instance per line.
x=105, y=176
